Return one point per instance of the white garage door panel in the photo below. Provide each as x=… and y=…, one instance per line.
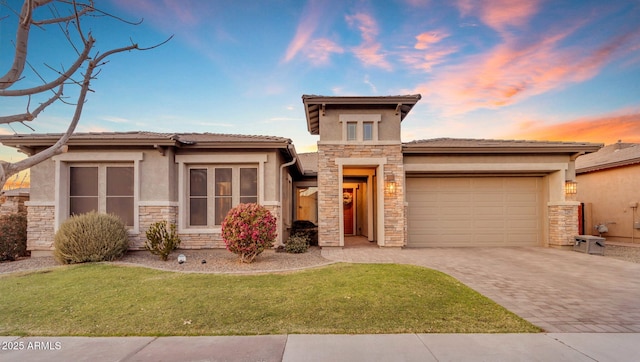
x=480, y=211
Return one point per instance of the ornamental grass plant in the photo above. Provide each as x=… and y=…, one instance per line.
x=90, y=237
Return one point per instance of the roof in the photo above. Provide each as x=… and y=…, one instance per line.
x=615, y=155
x=462, y=145
x=315, y=104
x=309, y=162
x=194, y=140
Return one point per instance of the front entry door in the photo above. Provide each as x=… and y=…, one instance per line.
x=348, y=210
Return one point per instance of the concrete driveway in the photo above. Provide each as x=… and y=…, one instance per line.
x=557, y=290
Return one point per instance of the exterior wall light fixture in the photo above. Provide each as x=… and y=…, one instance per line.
x=390, y=185
x=570, y=187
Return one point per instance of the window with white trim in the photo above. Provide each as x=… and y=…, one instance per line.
x=102, y=188
x=214, y=189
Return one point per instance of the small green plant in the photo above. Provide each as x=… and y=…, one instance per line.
x=90, y=237
x=297, y=243
x=161, y=241
x=13, y=236
x=247, y=230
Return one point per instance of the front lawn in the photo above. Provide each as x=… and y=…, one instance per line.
x=108, y=300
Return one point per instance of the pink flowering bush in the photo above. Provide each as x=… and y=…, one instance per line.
x=247, y=230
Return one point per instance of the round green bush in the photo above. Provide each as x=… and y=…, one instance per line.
x=297, y=243
x=90, y=237
x=247, y=230
x=13, y=236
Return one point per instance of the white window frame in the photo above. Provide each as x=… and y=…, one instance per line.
x=360, y=120
x=186, y=162
x=94, y=159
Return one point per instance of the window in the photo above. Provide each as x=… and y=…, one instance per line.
x=198, y=196
x=213, y=191
x=367, y=131
x=351, y=131
x=107, y=189
x=360, y=127
x=224, y=197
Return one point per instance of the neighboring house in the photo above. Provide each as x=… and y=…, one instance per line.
x=12, y=201
x=609, y=186
x=362, y=181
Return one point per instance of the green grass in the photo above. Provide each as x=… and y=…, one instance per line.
x=108, y=300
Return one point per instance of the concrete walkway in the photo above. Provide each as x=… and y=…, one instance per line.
x=557, y=290
x=394, y=347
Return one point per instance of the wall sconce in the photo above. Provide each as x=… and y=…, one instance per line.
x=390, y=185
x=570, y=187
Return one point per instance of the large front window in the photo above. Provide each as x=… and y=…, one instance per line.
x=214, y=190
x=102, y=188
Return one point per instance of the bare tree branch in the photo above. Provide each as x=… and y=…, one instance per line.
x=93, y=64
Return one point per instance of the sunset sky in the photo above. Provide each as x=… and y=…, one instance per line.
x=541, y=70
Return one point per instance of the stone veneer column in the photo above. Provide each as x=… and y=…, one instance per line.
x=330, y=195
x=40, y=229
x=394, y=209
x=563, y=223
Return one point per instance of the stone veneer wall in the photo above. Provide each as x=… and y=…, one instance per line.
x=329, y=193
x=13, y=204
x=40, y=228
x=563, y=224
x=147, y=216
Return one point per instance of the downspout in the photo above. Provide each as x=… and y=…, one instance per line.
x=280, y=222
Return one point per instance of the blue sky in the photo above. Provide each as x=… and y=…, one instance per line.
x=548, y=70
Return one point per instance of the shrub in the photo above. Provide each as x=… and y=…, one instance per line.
x=90, y=237
x=247, y=230
x=160, y=241
x=13, y=236
x=297, y=243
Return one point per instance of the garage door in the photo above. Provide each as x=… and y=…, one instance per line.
x=474, y=211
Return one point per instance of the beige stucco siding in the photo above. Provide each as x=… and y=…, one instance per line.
x=42, y=185
x=158, y=176
x=331, y=128
x=610, y=194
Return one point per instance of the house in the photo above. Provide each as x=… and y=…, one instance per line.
x=609, y=186
x=363, y=181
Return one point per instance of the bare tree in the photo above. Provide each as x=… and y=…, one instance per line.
x=70, y=17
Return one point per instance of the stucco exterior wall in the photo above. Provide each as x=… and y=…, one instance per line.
x=331, y=128
x=158, y=191
x=611, y=193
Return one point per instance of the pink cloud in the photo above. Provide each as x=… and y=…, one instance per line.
x=426, y=39
x=512, y=71
x=426, y=52
x=306, y=27
x=604, y=129
x=320, y=50
x=369, y=51
x=499, y=14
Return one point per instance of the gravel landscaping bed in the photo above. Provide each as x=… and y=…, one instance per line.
x=216, y=261
x=222, y=261
x=627, y=253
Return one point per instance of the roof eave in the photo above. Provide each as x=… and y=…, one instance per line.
x=609, y=165
x=314, y=103
x=570, y=149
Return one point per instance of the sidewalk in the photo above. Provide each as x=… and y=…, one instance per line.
x=389, y=347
